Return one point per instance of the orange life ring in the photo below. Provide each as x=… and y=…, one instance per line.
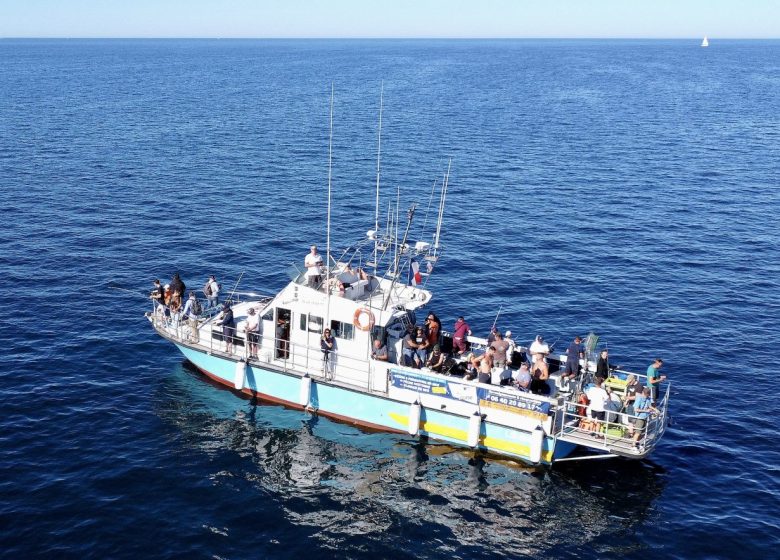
x=363, y=319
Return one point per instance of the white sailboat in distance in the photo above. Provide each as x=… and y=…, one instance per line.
x=705, y=42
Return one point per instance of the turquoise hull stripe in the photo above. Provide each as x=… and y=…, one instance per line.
x=366, y=408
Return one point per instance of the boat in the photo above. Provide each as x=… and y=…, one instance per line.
x=705, y=42
x=364, y=296
x=374, y=290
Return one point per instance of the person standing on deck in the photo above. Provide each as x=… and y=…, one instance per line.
x=252, y=331
x=158, y=294
x=574, y=353
x=327, y=344
x=501, y=347
x=313, y=264
x=459, y=333
x=654, y=378
x=191, y=312
x=177, y=286
x=228, y=323
x=432, y=329
x=510, y=352
x=602, y=366
x=211, y=291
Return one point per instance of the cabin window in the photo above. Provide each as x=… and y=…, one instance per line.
x=315, y=324
x=269, y=315
x=302, y=322
x=342, y=330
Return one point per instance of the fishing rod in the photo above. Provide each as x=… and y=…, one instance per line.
x=500, y=307
x=134, y=292
x=230, y=297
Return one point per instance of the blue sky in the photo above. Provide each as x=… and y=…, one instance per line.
x=388, y=18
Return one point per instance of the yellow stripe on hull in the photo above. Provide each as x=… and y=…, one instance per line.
x=490, y=442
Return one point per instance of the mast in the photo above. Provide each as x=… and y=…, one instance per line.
x=409, y=216
x=378, y=159
x=443, y=199
x=330, y=175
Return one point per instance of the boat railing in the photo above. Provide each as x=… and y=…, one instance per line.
x=287, y=355
x=617, y=432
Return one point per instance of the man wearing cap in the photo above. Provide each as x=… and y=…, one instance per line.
x=512, y=346
x=191, y=315
x=158, y=294
x=313, y=264
x=211, y=291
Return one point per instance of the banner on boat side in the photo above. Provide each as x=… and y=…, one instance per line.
x=487, y=398
x=500, y=400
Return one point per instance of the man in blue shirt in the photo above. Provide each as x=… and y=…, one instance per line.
x=654, y=378
x=643, y=406
x=573, y=355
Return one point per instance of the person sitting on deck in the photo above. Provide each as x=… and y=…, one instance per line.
x=486, y=366
x=472, y=367
x=539, y=376
x=421, y=351
x=436, y=359
x=522, y=378
x=643, y=406
x=408, y=348
x=380, y=351
x=459, y=333
x=313, y=264
x=598, y=398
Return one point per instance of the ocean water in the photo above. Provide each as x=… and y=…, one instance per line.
x=624, y=187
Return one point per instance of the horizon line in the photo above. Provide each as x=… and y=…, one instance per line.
x=389, y=38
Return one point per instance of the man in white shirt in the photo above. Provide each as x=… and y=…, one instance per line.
x=598, y=398
x=538, y=349
x=313, y=264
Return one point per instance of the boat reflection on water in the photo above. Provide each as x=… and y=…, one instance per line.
x=338, y=481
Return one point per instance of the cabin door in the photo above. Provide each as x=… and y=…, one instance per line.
x=283, y=333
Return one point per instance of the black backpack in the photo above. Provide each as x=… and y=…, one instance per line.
x=197, y=308
x=207, y=289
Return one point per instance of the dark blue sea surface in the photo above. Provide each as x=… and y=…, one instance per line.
x=624, y=187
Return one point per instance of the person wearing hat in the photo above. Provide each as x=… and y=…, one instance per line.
x=158, y=294
x=191, y=312
x=228, y=323
x=512, y=346
x=252, y=329
x=436, y=360
x=538, y=349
